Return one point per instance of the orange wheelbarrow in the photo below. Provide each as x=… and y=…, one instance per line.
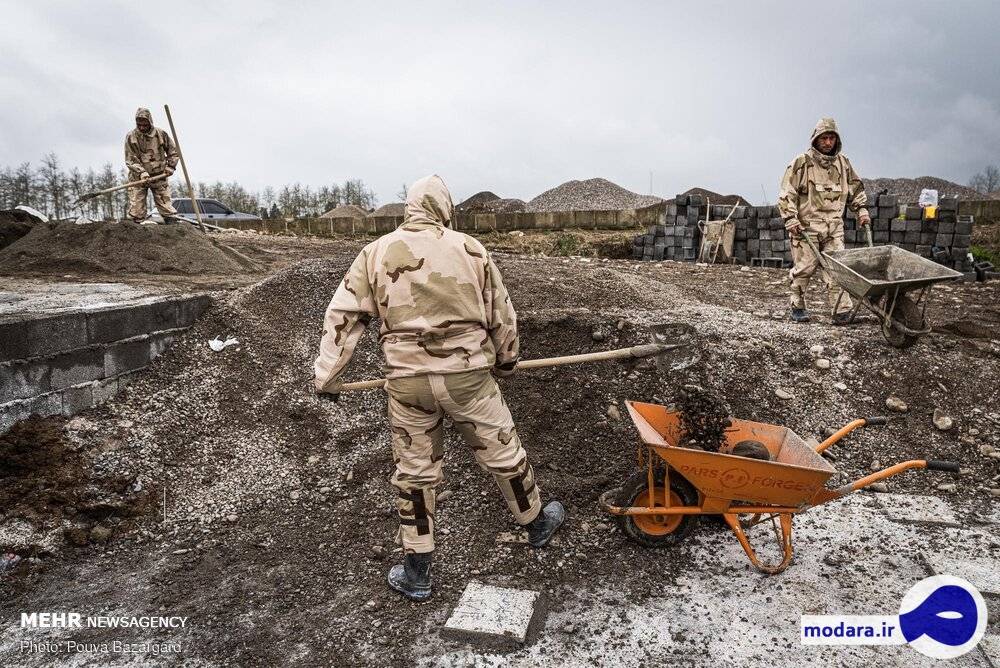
x=659, y=506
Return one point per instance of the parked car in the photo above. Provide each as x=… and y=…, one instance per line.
x=211, y=209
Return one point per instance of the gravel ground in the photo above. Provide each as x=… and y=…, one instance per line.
x=275, y=533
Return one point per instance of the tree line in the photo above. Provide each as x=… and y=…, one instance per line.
x=52, y=189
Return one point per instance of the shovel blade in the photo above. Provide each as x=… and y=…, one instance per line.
x=682, y=335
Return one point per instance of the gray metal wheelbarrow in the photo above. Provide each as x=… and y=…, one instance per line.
x=892, y=283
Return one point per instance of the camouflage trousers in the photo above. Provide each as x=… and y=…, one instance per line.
x=827, y=237
x=417, y=409
x=161, y=198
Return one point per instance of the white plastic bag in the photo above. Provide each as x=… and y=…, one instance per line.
x=928, y=197
x=218, y=345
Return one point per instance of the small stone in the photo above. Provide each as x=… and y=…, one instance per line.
x=986, y=450
x=875, y=465
x=621, y=324
x=822, y=363
x=569, y=628
x=994, y=455
x=878, y=487
x=313, y=459
x=378, y=552
x=597, y=335
x=840, y=387
x=294, y=495
x=75, y=536
x=231, y=518
x=817, y=350
x=325, y=490
x=783, y=394
x=896, y=404
x=350, y=476
x=445, y=495
x=947, y=487
x=942, y=421
x=973, y=431
x=744, y=268
x=995, y=491
x=614, y=413
x=181, y=551
x=100, y=534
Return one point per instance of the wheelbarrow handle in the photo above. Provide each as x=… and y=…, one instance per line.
x=876, y=421
x=825, y=495
x=941, y=465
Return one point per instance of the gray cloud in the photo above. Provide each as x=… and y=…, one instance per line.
x=511, y=97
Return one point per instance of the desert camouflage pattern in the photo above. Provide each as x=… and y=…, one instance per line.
x=418, y=406
x=442, y=303
x=814, y=192
x=154, y=153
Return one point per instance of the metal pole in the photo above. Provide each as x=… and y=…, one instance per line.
x=177, y=144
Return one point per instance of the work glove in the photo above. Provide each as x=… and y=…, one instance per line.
x=143, y=175
x=170, y=171
x=864, y=220
x=505, y=370
x=794, y=230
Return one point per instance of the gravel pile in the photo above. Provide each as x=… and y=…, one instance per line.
x=390, y=209
x=477, y=202
x=590, y=195
x=506, y=205
x=908, y=190
x=105, y=247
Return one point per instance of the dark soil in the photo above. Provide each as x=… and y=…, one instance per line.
x=65, y=247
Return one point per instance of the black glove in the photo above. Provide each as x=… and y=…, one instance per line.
x=329, y=396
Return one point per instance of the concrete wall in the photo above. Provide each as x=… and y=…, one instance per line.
x=475, y=222
x=68, y=362
x=984, y=210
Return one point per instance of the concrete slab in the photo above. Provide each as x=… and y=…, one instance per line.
x=991, y=648
x=487, y=613
x=917, y=508
x=982, y=572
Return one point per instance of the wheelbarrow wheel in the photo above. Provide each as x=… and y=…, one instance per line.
x=906, y=313
x=657, y=530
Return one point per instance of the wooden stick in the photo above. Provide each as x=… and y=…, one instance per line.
x=645, y=350
x=132, y=184
x=177, y=144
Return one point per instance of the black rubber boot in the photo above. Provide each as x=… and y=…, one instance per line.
x=842, y=318
x=542, y=528
x=799, y=315
x=412, y=578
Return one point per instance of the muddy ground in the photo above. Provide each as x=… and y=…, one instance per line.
x=266, y=516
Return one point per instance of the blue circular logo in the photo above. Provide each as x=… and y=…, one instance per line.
x=943, y=616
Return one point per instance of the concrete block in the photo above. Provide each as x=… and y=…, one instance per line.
x=913, y=212
x=943, y=240
x=887, y=211
x=881, y=225
x=764, y=235
x=24, y=379
x=963, y=227
x=897, y=225
x=948, y=204
x=116, y=324
x=850, y=236
x=103, y=390
x=963, y=240
x=912, y=225
x=946, y=227
x=692, y=215
x=928, y=238
x=681, y=200
x=880, y=236
x=24, y=338
x=78, y=366
x=923, y=250
x=910, y=237
x=887, y=200
x=492, y=614
x=43, y=406
x=982, y=573
x=77, y=398
x=130, y=356
x=696, y=200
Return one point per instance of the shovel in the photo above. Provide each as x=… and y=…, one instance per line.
x=97, y=193
x=674, y=348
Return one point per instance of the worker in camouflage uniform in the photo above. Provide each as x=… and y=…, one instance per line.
x=814, y=191
x=447, y=321
x=149, y=152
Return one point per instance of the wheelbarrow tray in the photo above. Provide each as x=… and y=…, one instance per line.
x=871, y=272
x=793, y=477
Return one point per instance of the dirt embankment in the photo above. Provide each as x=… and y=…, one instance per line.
x=115, y=248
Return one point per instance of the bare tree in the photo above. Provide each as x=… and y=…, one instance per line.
x=986, y=181
x=401, y=195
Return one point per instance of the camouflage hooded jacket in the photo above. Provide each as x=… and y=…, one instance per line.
x=817, y=187
x=443, y=305
x=150, y=152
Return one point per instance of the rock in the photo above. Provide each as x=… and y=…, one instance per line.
x=744, y=268
x=75, y=536
x=570, y=628
x=822, y=363
x=100, y=534
x=313, y=459
x=840, y=387
x=994, y=455
x=995, y=491
x=942, y=421
x=597, y=335
x=876, y=465
x=973, y=431
x=621, y=324
x=878, y=487
x=783, y=394
x=986, y=450
x=231, y=518
x=445, y=495
x=896, y=404
x=294, y=495
x=325, y=490
x=817, y=350
x=378, y=552
x=350, y=476
x=614, y=413
x=947, y=487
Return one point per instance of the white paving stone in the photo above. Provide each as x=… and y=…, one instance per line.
x=984, y=573
x=492, y=613
x=917, y=508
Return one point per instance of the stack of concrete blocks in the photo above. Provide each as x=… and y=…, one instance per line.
x=945, y=238
x=884, y=211
x=760, y=237
x=63, y=363
x=675, y=236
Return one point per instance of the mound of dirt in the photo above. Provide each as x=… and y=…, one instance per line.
x=908, y=190
x=104, y=247
x=14, y=224
x=716, y=198
x=505, y=205
x=590, y=195
x=477, y=202
x=390, y=209
x=346, y=211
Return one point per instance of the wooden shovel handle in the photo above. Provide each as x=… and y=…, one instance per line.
x=645, y=350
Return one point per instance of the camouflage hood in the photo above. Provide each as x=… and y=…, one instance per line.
x=429, y=202
x=825, y=125
x=142, y=112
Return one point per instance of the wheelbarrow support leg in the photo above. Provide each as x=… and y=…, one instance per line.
x=733, y=521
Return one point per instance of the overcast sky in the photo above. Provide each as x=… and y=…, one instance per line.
x=513, y=97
